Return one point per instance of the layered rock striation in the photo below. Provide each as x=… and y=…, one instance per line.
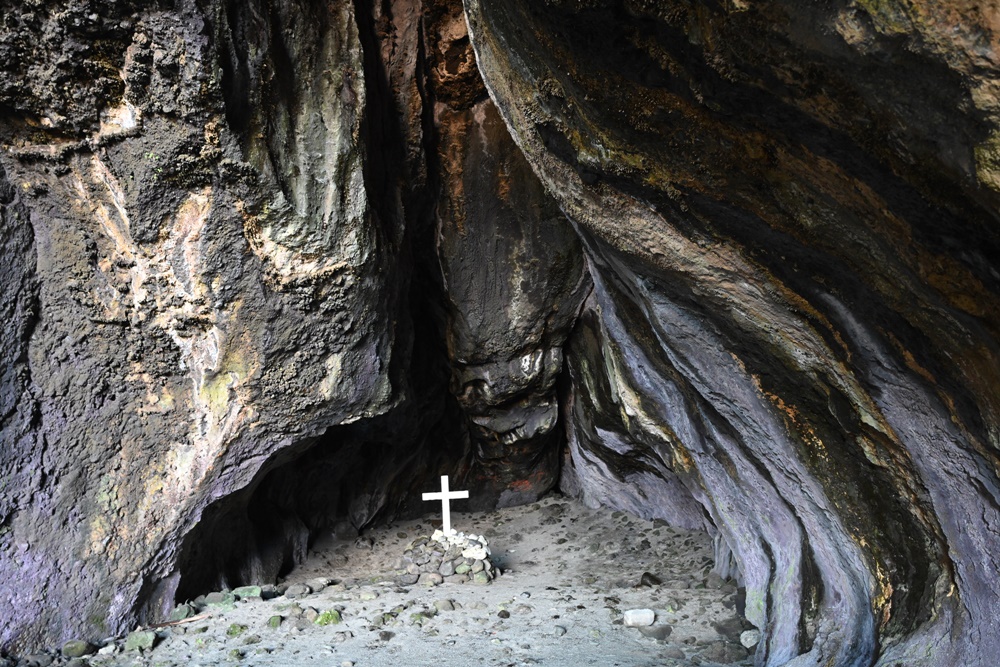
x=789, y=214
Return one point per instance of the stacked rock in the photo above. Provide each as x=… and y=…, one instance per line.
x=453, y=558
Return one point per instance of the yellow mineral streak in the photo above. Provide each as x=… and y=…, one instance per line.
x=288, y=265
x=167, y=286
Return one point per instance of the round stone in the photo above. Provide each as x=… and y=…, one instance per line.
x=649, y=579
x=637, y=618
x=297, y=591
x=181, y=612
x=430, y=579
x=77, y=648
x=659, y=632
x=750, y=638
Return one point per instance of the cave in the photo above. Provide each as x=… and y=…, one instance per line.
x=724, y=272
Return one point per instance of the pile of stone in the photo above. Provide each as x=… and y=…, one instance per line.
x=454, y=558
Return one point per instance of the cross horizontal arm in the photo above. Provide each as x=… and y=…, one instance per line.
x=452, y=495
x=445, y=495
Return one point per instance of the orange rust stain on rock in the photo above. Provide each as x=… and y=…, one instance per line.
x=962, y=289
x=522, y=485
x=454, y=128
x=503, y=185
x=683, y=458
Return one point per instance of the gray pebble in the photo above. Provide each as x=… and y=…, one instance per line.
x=723, y=652
x=140, y=640
x=659, y=632
x=297, y=591
x=430, y=579
x=318, y=585
x=649, y=579
x=77, y=649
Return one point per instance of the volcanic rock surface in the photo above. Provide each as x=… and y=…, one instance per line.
x=271, y=266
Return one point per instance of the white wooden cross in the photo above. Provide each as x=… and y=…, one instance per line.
x=445, y=496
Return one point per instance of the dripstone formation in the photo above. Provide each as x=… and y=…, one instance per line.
x=267, y=267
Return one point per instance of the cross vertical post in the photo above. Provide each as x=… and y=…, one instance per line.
x=445, y=496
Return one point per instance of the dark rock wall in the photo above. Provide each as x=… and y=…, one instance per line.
x=513, y=294
x=180, y=338
x=790, y=217
x=226, y=321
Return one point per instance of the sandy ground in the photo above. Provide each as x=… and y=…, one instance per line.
x=569, y=574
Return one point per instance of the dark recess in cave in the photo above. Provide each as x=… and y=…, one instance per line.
x=362, y=473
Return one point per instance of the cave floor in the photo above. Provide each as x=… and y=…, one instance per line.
x=565, y=566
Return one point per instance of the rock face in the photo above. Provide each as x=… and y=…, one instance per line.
x=179, y=289
x=789, y=212
x=265, y=265
x=227, y=322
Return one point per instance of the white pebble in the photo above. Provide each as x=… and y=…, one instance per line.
x=639, y=618
x=476, y=553
x=750, y=638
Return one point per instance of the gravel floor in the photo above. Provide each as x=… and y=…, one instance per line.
x=569, y=574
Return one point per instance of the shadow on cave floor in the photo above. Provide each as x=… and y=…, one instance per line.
x=569, y=574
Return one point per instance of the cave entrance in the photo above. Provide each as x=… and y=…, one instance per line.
x=346, y=480
x=349, y=479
